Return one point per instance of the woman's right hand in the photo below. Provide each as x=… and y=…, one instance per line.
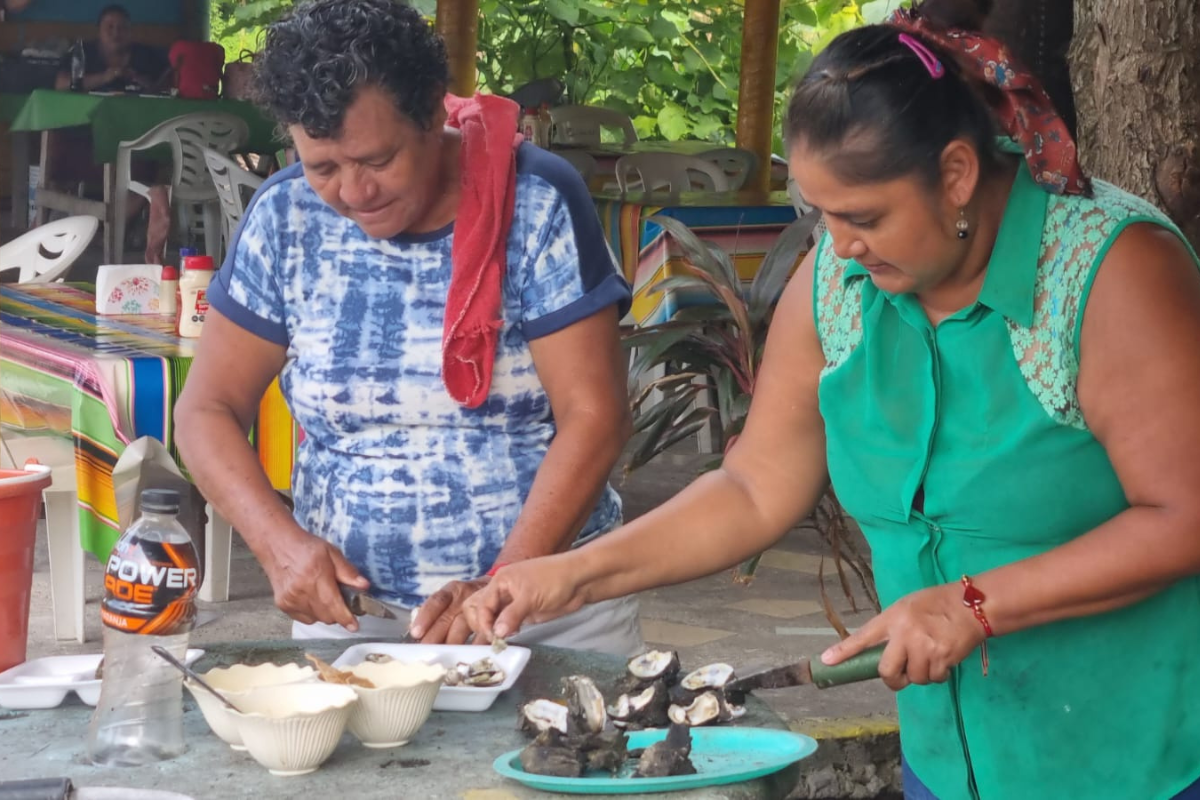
x=305, y=573
x=532, y=591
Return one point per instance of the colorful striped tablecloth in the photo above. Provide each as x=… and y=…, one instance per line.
x=743, y=224
x=104, y=381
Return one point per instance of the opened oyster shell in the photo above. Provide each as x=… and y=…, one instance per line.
x=481, y=673
x=539, y=715
x=644, y=709
x=707, y=708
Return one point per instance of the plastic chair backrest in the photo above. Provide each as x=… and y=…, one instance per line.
x=231, y=182
x=582, y=124
x=44, y=254
x=736, y=163
x=583, y=163
x=671, y=172
x=187, y=134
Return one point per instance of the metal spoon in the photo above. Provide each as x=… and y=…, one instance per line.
x=186, y=670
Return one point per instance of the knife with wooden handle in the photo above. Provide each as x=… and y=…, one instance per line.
x=861, y=667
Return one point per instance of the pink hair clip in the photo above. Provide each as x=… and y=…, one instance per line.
x=931, y=62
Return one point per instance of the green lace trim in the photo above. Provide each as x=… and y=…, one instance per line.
x=1075, y=238
x=837, y=308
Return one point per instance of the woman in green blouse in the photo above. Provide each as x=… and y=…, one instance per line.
x=997, y=363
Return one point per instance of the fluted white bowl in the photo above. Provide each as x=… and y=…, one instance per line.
x=292, y=729
x=235, y=681
x=392, y=712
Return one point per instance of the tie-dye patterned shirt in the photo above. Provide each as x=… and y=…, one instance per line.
x=414, y=488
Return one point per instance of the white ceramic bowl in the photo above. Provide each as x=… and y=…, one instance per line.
x=389, y=714
x=292, y=729
x=234, y=682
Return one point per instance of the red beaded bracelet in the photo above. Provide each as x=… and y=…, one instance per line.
x=499, y=565
x=973, y=599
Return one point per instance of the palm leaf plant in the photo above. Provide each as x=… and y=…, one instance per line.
x=699, y=369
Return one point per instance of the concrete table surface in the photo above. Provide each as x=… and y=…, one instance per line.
x=450, y=757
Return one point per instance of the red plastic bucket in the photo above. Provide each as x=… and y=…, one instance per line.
x=20, y=497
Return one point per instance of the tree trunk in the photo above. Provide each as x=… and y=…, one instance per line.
x=1136, y=67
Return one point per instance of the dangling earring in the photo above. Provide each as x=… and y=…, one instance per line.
x=963, y=226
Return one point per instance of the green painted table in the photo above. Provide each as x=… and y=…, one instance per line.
x=112, y=118
x=450, y=757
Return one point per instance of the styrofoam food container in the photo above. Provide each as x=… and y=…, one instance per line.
x=449, y=698
x=45, y=682
x=389, y=714
x=234, y=682
x=291, y=729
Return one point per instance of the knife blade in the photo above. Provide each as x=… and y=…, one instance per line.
x=861, y=667
x=362, y=604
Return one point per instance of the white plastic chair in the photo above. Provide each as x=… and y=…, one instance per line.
x=670, y=172
x=582, y=124
x=44, y=254
x=191, y=184
x=583, y=163
x=737, y=164
x=234, y=184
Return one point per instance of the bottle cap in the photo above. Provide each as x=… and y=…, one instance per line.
x=160, y=501
x=169, y=273
x=184, y=252
x=198, y=262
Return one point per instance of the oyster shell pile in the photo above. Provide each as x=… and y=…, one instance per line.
x=580, y=731
x=481, y=673
x=655, y=695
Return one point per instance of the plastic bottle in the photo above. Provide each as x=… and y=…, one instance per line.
x=193, y=291
x=529, y=125
x=150, y=587
x=168, y=291
x=78, y=66
x=545, y=126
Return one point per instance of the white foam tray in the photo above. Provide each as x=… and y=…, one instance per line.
x=45, y=682
x=450, y=698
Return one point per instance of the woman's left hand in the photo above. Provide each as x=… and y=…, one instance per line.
x=927, y=633
x=439, y=620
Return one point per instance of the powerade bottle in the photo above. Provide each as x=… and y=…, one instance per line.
x=150, y=586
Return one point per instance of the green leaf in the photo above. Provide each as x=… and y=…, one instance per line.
x=563, y=11
x=673, y=122
x=777, y=266
x=636, y=34
x=663, y=29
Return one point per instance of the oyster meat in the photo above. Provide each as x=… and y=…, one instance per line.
x=378, y=658
x=707, y=708
x=671, y=756
x=539, y=715
x=482, y=673
x=586, y=712
x=655, y=665
x=710, y=676
x=644, y=709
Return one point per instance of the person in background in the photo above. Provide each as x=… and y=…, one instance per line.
x=115, y=63
x=441, y=308
x=994, y=359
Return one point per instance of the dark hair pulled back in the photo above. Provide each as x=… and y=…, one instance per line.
x=874, y=112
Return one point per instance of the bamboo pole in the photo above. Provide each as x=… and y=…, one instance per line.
x=756, y=91
x=458, y=24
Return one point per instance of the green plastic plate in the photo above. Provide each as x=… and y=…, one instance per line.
x=720, y=755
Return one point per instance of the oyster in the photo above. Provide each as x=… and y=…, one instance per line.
x=606, y=750
x=538, y=715
x=710, y=676
x=550, y=754
x=378, y=658
x=586, y=711
x=707, y=707
x=671, y=756
x=644, y=709
x=481, y=673
x=655, y=665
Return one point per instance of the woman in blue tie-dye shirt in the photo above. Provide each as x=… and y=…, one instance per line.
x=336, y=282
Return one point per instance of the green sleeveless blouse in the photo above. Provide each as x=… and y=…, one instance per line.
x=981, y=413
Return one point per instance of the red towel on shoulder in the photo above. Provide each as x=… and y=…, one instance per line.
x=488, y=164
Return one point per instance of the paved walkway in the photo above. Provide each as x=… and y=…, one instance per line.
x=776, y=618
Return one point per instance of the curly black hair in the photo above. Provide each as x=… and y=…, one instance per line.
x=318, y=57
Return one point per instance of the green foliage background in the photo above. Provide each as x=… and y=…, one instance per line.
x=671, y=65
